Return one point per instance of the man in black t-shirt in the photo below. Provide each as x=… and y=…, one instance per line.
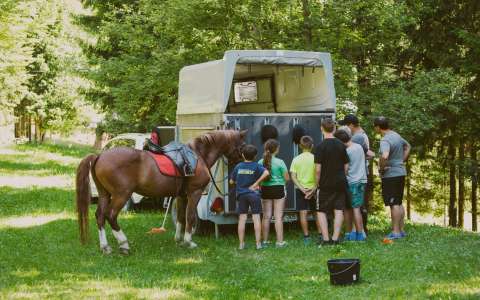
x=331, y=162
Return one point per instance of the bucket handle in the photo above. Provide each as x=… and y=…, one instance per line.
x=343, y=271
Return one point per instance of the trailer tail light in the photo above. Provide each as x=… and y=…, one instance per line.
x=217, y=205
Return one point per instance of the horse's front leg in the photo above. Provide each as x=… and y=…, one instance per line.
x=193, y=199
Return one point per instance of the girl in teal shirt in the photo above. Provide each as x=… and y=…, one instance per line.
x=273, y=191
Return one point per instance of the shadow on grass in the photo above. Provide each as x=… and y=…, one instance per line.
x=65, y=149
x=39, y=169
x=28, y=201
x=50, y=255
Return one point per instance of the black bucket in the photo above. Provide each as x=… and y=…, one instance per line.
x=344, y=271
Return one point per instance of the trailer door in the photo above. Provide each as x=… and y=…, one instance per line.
x=288, y=150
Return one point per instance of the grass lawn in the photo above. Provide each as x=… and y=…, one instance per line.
x=41, y=257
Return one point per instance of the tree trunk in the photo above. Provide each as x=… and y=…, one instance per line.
x=452, y=210
x=473, y=157
x=29, y=129
x=307, y=25
x=461, y=184
x=409, y=195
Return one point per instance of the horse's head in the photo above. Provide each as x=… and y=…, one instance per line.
x=234, y=147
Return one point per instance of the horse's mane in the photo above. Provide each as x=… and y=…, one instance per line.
x=216, y=138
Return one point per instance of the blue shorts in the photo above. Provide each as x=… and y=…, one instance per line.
x=357, y=192
x=249, y=200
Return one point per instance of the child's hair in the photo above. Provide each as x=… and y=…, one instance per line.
x=328, y=125
x=342, y=135
x=306, y=142
x=346, y=128
x=269, y=148
x=249, y=152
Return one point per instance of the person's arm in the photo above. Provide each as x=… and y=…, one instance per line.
x=384, y=154
x=318, y=172
x=369, y=155
x=233, y=176
x=286, y=176
x=256, y=185
x=345, y=168
x=406, y=150
x=297, y=183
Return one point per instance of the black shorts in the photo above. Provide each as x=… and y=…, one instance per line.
x=392, y=190
x=249, y=200
x=273, y=192
x=305, y=204
x=328, y=201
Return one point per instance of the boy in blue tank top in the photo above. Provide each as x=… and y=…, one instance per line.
x=247, y=177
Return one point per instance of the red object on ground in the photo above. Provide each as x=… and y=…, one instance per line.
x=157, y=230
x=165, y=165
x=387, y=241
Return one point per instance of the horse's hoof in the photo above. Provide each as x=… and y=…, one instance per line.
x=124, y=251
x=191, y=245
x=107, y=250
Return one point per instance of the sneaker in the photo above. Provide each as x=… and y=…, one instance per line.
x=335, y=242
x=281, y=244
x=319, y=239
x=260, y=247
x=324, y=243
x=351, y=236
x=265, y=244
x=361, y=237
x=241, y=247
x=306, y=240
x=394, y=236
x=403, y=234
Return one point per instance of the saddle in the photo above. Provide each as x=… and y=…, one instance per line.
x=181, y=155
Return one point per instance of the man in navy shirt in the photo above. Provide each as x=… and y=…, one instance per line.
x=247, y=177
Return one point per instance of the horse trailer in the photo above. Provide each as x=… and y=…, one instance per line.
x=248, y=89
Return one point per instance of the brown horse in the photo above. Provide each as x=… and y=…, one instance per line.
x=119, y=172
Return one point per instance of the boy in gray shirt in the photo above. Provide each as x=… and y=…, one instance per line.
x=394, y=152
x=357, y=179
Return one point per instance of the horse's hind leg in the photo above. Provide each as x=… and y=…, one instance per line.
x=181, y=208
x=191, y=217
x=103, y=201
x=117, y=203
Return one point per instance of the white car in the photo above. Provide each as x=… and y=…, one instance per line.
x=131, y=140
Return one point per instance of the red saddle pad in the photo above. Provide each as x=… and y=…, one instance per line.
x=165, y=165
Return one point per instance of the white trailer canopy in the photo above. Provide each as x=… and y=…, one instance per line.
x=301, y=81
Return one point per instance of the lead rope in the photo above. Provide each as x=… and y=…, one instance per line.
x=211, y=176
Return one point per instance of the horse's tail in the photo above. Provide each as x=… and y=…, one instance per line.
x=84, y=194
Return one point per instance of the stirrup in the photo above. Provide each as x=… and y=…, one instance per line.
x=187, y=172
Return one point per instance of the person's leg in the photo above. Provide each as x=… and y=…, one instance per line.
x=337, y=225
x=402, y=219
x=397, y=213
x=279, y=206
x=258, y=229
x=242, y=218
x=358, y=218
x=322, y=219
x=267, y=217
x=348, y=217
x=304, y=222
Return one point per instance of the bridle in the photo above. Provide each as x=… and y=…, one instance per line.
x=236, y=150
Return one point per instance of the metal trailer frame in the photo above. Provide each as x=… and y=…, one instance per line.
x=293, y=85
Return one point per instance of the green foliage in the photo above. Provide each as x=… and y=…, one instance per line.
x=14, y=57
x=40, y=58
